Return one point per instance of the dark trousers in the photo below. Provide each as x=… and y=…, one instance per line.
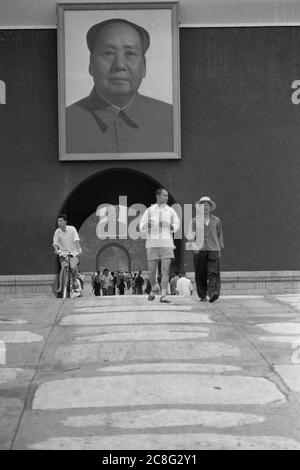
x=207, y=273
x=139, y=290
x=97, y=289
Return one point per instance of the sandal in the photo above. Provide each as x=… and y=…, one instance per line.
x=164, y=300
x=151, y=297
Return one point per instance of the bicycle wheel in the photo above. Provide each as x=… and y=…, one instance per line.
x=69, y=282
x=65, y=283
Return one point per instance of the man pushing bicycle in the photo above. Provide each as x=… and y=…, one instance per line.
x=67, y=247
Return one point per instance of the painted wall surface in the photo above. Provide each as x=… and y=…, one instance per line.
x=240, y=145
x=36, y=13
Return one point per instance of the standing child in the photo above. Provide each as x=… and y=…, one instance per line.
x=122, y=287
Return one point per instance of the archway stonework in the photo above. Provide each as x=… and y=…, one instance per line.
x=105, y=187
x=116, y=245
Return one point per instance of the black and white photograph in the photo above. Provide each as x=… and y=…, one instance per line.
x=150, y=230
x=118, y=81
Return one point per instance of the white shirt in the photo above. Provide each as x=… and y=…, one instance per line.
x=161, y=218
x=66, y=240
x=107, y=280
x=184, y=286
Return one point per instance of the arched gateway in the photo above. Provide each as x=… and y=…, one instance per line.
x=105, y=187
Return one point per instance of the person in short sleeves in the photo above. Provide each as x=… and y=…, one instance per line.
x=66, y=241
x=158, y=223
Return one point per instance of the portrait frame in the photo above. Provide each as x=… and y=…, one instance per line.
x=161, y=85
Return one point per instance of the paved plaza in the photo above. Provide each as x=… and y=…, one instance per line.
x=125, y=373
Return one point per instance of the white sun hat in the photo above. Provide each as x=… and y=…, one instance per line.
x=207, y=199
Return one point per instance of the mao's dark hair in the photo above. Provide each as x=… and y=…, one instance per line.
x=92, y=34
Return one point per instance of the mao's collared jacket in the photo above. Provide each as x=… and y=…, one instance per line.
x=94, y=126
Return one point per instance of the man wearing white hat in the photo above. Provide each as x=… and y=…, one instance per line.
x=207, y=230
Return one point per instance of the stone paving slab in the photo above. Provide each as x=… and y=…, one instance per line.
x=76, y=424
x=169, y=442
x=118, y=373
x=10, y=412
x=30, y=311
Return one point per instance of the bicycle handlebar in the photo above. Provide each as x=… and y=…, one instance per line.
x=65, y=255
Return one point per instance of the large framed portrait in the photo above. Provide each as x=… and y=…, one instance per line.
x=118, y=81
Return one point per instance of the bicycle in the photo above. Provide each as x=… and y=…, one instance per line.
x=66, y=277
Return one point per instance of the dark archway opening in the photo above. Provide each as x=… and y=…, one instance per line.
x=105, y=187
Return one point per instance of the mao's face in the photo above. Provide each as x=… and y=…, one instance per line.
x=117, y=63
